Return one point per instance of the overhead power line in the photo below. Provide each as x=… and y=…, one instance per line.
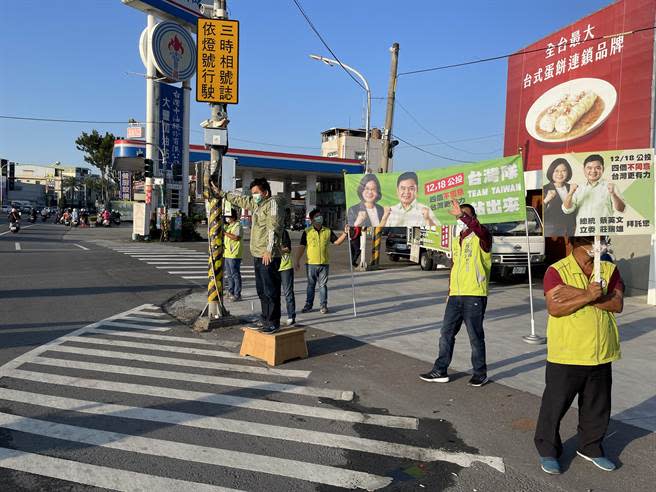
x=323, y=41
x=441, y=141
x=429, y=153
x=98, y=122
x=523, y=52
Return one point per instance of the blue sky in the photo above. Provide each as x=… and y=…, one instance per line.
x=68, y=59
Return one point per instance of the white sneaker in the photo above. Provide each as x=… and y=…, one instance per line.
x=290, y=321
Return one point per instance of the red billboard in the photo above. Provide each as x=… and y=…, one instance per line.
x=587, y=87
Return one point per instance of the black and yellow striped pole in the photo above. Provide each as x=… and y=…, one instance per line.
x=375, y=247
x=215, y=306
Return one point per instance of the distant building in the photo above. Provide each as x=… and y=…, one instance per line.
x=45, y=185
x=349, y=143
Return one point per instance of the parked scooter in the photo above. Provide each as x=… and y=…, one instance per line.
x=116, y=217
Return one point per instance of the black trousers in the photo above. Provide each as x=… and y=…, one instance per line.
x=267, y=283
x=592, y=385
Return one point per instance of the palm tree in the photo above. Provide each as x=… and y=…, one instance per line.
x=69, y=183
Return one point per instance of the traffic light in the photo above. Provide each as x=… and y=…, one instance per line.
x=148, y=168
x=12, y=176
x=3, y=165
x=177, y=172
x=390, y=151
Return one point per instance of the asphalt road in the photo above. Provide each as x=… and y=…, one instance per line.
x=124, y=397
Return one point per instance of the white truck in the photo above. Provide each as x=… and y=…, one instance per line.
x=431, y=247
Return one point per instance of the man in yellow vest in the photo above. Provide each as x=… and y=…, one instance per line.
x=470, y=275
x=582, y=342
x=287, y=277
x=232, y=255
x=316, y=239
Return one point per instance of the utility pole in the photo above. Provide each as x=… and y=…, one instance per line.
x=216, y=137
x=389, y=116
x=387, y=147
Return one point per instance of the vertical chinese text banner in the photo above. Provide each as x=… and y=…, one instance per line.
x=218, y=61
x=170, y=127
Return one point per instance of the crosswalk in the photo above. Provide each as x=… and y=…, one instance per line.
x=187, y=263
x=128, y=404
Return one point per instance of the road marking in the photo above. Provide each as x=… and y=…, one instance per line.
x=221, y=366
x=339, y=441
x=197, y=378
x=81, y=247
x=324, y=474
x=188, y=272
x=148, y=314
x=152, y=346
x=118, y=324
x=23, y=358
x=96, y=476
x=137, y=319
x=168, y=338
x=220, y=399
x=195, y=277
x=22, y=227
x=18, y=246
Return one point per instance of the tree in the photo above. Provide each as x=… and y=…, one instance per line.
x=69, y=183
x=99, y=151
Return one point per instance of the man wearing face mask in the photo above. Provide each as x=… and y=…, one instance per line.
x=470, y=275
x=316, y=239
x=266, y=233
x=582, y=342
x=232, y=256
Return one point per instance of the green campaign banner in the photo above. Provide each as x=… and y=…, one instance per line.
x=495, y=189
x=607, y=193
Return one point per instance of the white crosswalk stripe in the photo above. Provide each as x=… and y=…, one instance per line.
x=185, y=263
x=98, y=373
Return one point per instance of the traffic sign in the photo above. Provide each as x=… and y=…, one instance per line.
x=217, y=65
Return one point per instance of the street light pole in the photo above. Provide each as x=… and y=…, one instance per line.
x=330, y=62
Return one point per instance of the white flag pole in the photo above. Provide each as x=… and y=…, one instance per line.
x=533, y=338
x=348, y=235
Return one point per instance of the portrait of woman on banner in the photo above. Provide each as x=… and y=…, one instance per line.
x=368, y=213
x=556, y=222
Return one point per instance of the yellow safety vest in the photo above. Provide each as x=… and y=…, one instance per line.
x=589, y=336
x=232, y=247
x=317, y=245
x=470, y=273
x=285, y=262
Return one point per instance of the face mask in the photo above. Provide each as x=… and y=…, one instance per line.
x=257, y=197
x=318, y=220
x=460, y=226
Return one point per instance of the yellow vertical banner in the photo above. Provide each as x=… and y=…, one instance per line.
x=217, y=66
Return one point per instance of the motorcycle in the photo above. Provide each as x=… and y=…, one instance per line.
x=116, y=218
x=32, y=219
x=106, y=223
x=14, y=227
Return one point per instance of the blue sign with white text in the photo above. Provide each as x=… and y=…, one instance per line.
x=171, y=115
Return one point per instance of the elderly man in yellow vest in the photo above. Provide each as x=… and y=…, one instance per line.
x=316, y=239
x=470, y=275
x=582, y=342
x=232, y=256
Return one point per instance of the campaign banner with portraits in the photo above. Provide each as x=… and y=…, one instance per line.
x=495, y=189
x=607, y=193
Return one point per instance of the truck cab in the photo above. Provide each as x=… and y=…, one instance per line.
x=431, y=247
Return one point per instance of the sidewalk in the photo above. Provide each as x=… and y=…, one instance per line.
x=401, y=310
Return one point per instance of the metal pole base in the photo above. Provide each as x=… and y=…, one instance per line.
x=534, y=339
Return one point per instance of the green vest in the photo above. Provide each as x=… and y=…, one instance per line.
x=589, y=336
x=317, y=245
x=232, y=247
x=285, y=262
x=470, y=272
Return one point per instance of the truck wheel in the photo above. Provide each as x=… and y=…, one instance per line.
x=425, y=262
x=394, y=257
